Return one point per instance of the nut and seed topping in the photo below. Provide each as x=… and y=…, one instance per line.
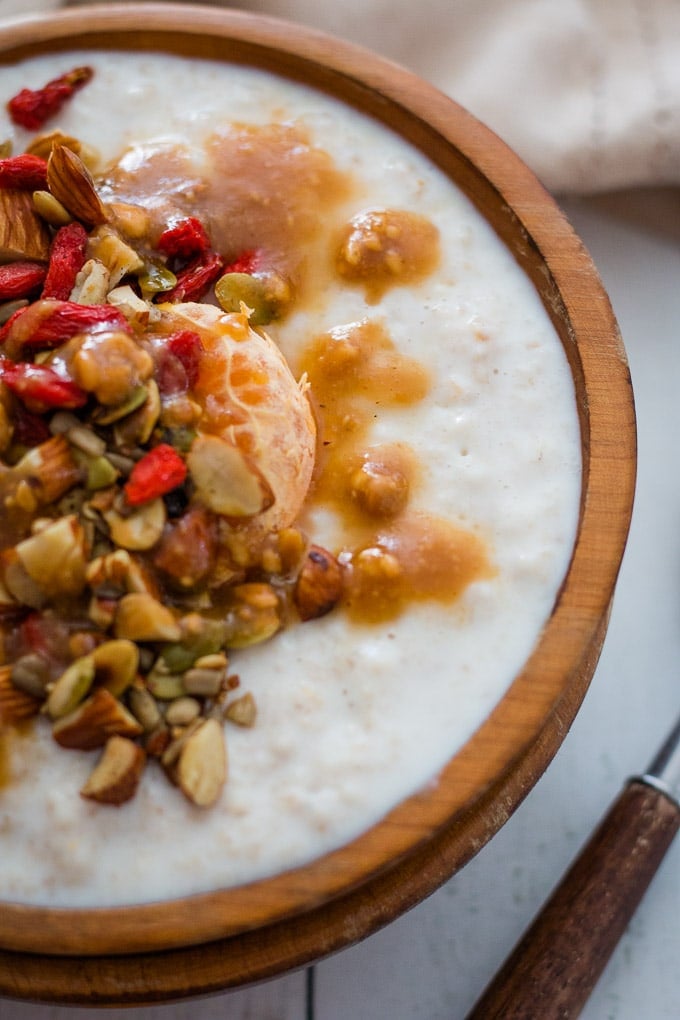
x=136, y=493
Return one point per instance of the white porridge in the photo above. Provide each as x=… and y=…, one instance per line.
x=447, y=437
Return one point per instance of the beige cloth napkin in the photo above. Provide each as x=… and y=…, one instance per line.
x=586, y=91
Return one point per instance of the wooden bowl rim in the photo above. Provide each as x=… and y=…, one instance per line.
x=494, y=767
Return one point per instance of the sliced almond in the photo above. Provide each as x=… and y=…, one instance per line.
x=71, y=183
x=15, y=705
x=139, y=530
x=91, y=724
x=23, y=233
x=55, y=557
x=202, y=767
x=116, y=775
x=140, y=617
x=227, y=481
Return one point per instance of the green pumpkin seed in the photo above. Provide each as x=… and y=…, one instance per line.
x=100, y=473
x=156, y=279
x=107, y=415
x=232, y=289
x=71, y=687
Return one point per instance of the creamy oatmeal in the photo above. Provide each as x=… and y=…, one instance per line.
x=323, y=503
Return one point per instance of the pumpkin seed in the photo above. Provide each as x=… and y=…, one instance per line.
x=144, y=707
x=107, y=415
x=71, y=687
x=30, y=674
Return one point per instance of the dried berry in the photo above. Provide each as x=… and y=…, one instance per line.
x=20, y=279
x=179, y=362
x=185, y=239
x=49, y=323
x=194, y=280
x=159, y=471
x=30, y=108
x=39, y=387
x=29, y=429
x=24, y=173
x=247, y=262
x=176, y=501
x=67, y=258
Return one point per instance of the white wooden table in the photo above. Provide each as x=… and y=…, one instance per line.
x=432, y=963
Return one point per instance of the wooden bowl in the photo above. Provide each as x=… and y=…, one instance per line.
x=230, y=937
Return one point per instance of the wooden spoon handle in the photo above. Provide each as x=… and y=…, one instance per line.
x=557, y=963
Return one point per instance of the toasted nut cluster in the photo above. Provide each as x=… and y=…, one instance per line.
x=319, y=584
x=133, y=560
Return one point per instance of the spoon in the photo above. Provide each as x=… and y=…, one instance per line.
x=557, y=962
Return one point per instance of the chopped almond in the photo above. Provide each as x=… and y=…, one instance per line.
x=94, y=721
x=115, y=777
x=15, y=705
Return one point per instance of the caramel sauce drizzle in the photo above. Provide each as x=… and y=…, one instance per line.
x=384, y=248
x=397, y=556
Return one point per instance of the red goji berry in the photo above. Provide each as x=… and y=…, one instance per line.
x=194, y=280
x=40, y=388
x=25, y=172
x=19, y=279
x=185, y=240
x=159, y=471
x=67, y=258
x=49, y=323
x=28, y=429
x=247, y=262
x=30, y=108
x=187, y=346
x=178, y=362
x=46, y=635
